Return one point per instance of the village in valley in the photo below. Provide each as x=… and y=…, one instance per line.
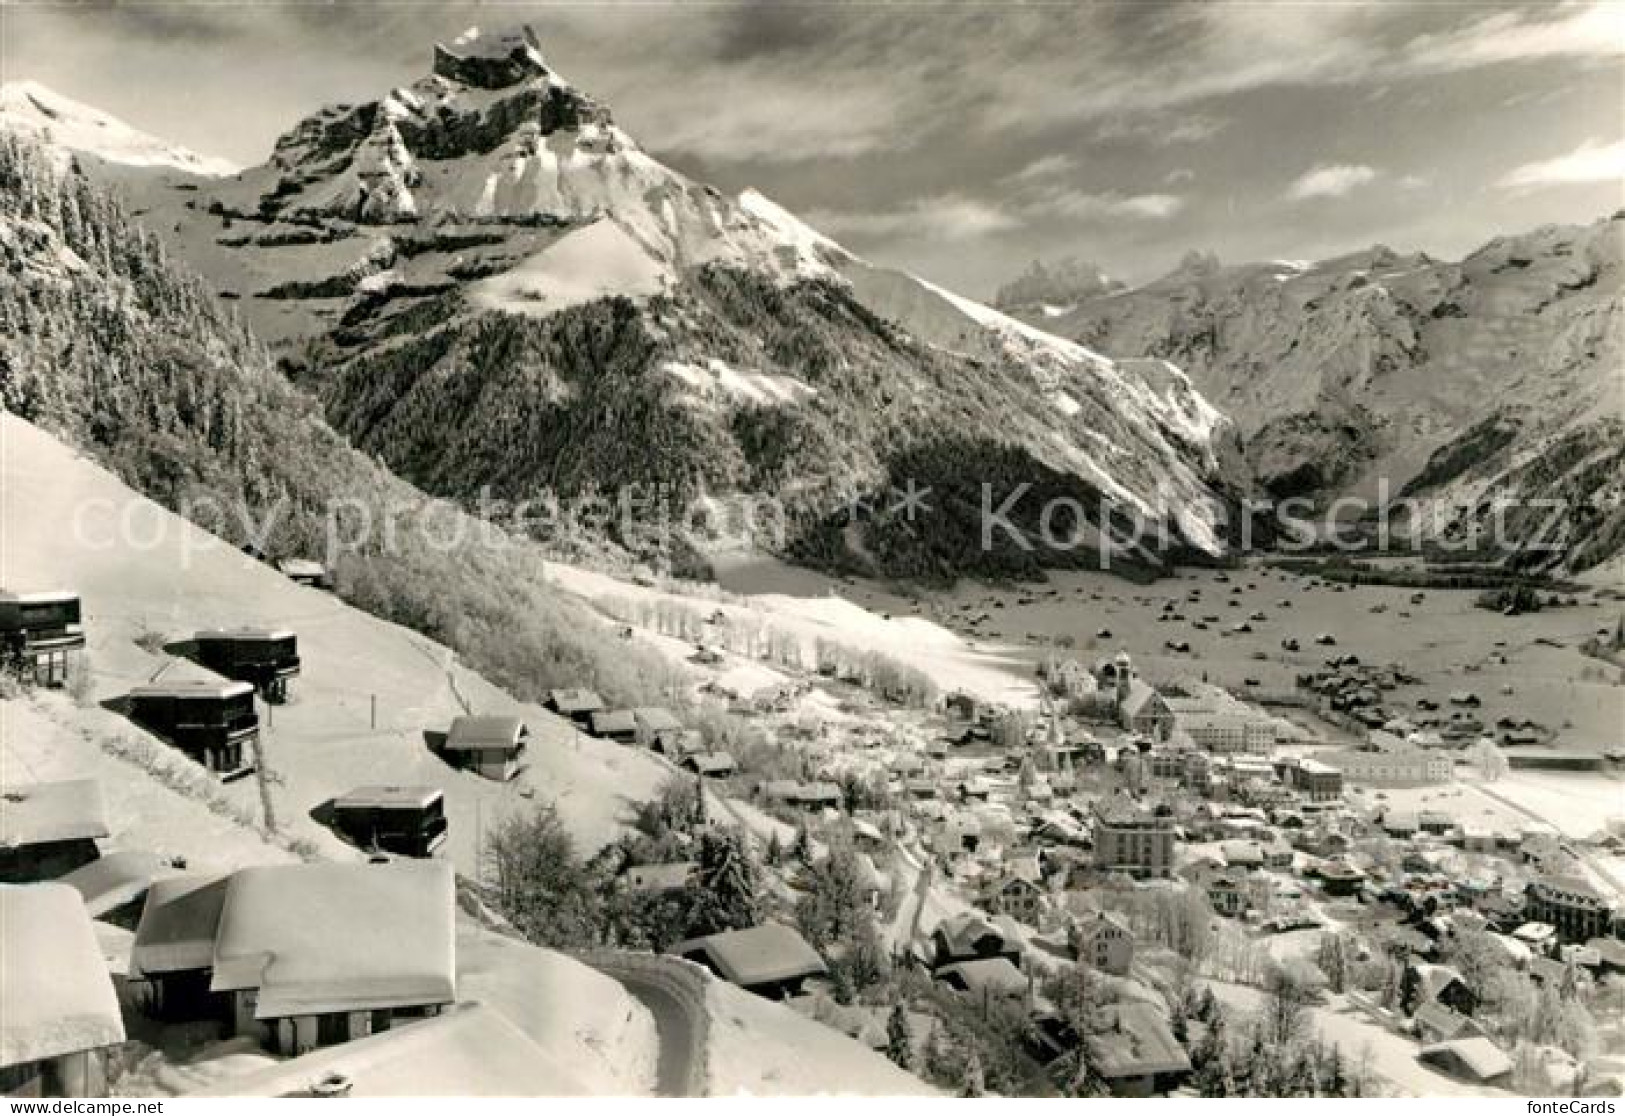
x=1057, y=874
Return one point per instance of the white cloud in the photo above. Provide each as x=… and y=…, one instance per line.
x=1178, y=175
x=945, y=217
x=1083, y=205
x=1590, y=162
x=1576, y=30
x=1332, y=181
x=1049, y=166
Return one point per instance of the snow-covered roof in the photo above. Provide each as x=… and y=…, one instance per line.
x=655, y=718
x=476, y=733
x=1479, y=1057
x=244, y=635
x=469, y=1051
x=613, y=720
x=1136, y=1042
x=59, y=997
x=193, y=688
x=41, y=596
x=116, y=879
x=178, y=926
x=301, y=567
x=388, y=798
x=758, y=955
x=994, y=975
x=39, y=813
x=319, y=938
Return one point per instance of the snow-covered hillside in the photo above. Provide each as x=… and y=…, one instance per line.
x=139, y=597
x=34, y=109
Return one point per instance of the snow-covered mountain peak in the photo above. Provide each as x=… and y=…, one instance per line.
x=491, y=59
x=66, y=125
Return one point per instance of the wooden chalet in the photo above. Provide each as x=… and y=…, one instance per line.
x=213, y=722
x=61, y=1014
x=487, y=745
x=619, y=725
x=266, y=659
x=657, y=727
x=710, y=765
x=305, y=571
x=49, y=829
x=771, y=960
x=576, y=705
x=406, y=821
x=38, y=633
x=173, y=954
x=316, y=954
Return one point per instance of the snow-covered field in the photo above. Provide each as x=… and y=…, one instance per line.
x=992, y=673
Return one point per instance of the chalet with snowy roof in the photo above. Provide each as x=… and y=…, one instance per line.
x=49, y=829
x=711, y=765
x=405, y=820
x=969, y=936
x=114, y=887
x=1476, y=1059
x=657, y=727
x=173, y=954
x=305, y=571
x=803, y=795
x=771, y=960
x=39, y=631
x=984, y=979
x=1135, y=1052
x=1577, y=908
x=316, y=954
x=659, y=879
x=1103, y=942
x=61, y=1015
x=578, y=705
x=1436, y=1022
x=1339, y=878
x=487, y=745
x=215, y=723
x=619, y=725
x=1439, y=984
x=267, y=659
x=1016, y=891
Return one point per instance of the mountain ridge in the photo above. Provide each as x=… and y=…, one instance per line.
x=397, y=241
x=1381, y=365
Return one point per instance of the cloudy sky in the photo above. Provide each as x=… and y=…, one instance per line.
x=963, y=140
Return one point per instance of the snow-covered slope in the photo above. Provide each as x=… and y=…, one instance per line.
x=33, y=109
x=148, y=578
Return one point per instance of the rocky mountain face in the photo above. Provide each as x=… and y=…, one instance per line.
x=490, y=286
x=109, y=345
x=1465, y=387
x=1054, y=288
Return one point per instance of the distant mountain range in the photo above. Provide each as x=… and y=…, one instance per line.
x=1464, y=385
